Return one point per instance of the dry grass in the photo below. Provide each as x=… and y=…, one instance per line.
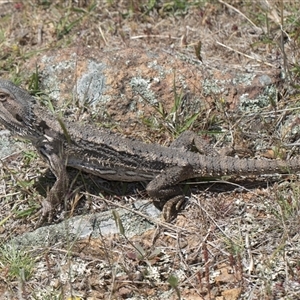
x=233, y=240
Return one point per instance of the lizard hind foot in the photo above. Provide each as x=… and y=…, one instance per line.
x=172, y=207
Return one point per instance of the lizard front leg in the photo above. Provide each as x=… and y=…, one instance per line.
x=57, y=193
x=167, y=195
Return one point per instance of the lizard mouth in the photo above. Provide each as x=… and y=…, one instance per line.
x=19, y=128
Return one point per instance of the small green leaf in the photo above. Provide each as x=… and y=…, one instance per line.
x=140, y=250
x=118, y=222
x=173, y=281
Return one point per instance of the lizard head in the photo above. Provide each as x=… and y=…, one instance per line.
x=15, y=109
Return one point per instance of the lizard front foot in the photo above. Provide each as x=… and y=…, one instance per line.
x=46, y=213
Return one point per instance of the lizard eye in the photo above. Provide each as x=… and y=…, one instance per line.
x=2, y=96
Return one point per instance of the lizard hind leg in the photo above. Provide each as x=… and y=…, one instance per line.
x=167, y=195
x=189, y=139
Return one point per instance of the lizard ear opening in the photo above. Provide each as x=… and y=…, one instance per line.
x=19, y=118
